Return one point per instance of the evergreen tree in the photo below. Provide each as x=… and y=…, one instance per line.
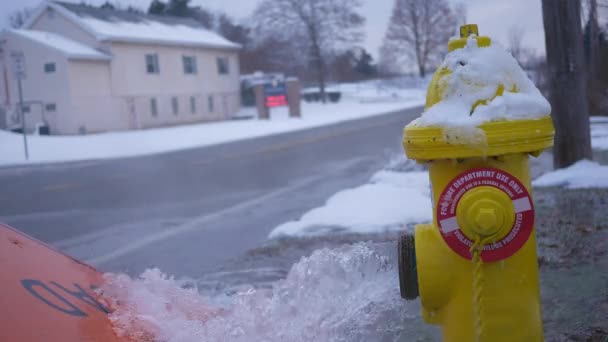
x=180, y=8
x=364, y=64
x=232, y=31
x=204, y=17
x=107, y=6
x=157, y=7
x=134, y=10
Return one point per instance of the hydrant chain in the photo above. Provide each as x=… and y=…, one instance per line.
x=478, y=287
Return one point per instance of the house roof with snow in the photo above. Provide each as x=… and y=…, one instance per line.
x=126, y=26
x=70, y=48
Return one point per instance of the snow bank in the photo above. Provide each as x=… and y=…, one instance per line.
x=582, y=175
x=345, y=294
x=477, y=74
x=151, y=141
x=390, y=201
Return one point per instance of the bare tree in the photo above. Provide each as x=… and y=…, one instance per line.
x=420, y=29
x=18, y=18
x=388, y=63
x=562, y=23
x=515, y=38
x=315, y=29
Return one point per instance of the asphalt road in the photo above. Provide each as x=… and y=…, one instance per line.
x=188, y=212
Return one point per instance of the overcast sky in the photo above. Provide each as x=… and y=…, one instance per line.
x=494, y=17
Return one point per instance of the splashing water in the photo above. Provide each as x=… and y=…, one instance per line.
x=346, y=294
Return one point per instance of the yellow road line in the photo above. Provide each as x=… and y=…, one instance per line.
x=59, y=187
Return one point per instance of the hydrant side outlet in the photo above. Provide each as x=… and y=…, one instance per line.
x=408, y=275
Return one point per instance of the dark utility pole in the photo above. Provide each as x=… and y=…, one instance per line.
x=594, y=58
x=568, y=94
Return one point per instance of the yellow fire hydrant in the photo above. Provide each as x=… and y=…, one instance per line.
x=475, y=268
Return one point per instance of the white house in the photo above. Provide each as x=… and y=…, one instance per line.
x=94, y=70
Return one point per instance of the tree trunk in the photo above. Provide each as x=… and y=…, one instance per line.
x=421, y=70
x=321, y=78
x=563, y=39
x=320, y=66
x=318, y=62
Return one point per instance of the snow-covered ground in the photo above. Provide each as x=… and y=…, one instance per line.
x=390, y=201
x=582, y=175
x=355, y=104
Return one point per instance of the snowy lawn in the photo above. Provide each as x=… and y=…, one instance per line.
x=582, y=175
x=390, y=201
x=151, y=141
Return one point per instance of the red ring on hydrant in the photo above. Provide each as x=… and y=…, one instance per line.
x=501, y=180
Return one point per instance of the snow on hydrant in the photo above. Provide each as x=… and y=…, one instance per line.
x=475, y=267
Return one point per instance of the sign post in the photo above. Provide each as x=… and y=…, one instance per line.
x=18, y=59
x=277, y=93
x=293, y=94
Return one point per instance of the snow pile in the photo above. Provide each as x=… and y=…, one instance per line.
x=390, y=201
x=346, y=294
x=582, y=175
x=481, y=74
x=599, y=132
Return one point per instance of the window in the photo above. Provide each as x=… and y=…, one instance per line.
x=152, y=64
x=192, y=105
x=49, y=68
x=189, y=65
x=25, y=109
x=210, y=103
x=50, y=107
x=174, y=105
x=223, y=66
x=153, y=107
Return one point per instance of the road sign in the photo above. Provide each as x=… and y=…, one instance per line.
x=275, y=94
x=48, y=296
x=18, y=59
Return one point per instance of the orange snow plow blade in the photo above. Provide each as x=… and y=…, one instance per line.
x=48, y=296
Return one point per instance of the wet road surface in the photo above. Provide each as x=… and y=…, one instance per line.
x=188, y=212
